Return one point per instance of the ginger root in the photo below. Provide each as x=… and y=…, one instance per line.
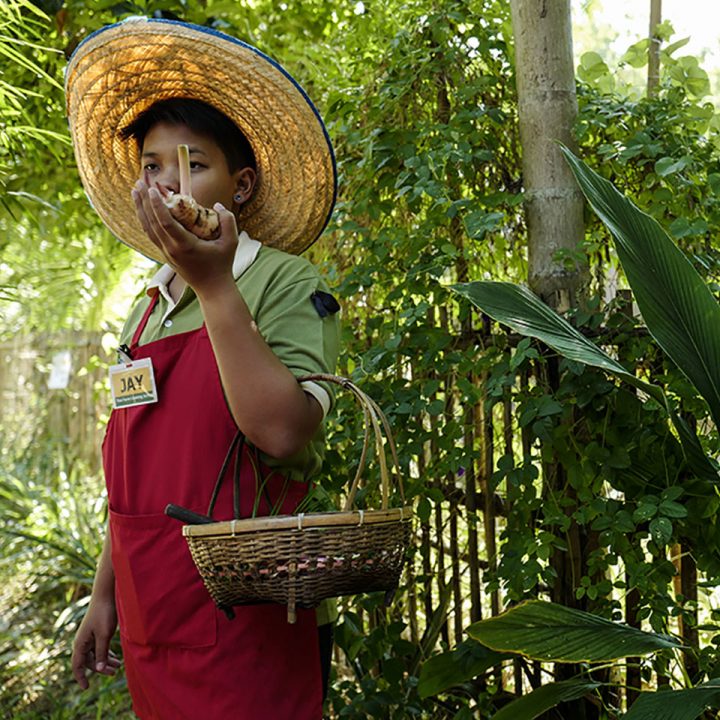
x=199, y=220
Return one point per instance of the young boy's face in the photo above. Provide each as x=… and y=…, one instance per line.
x=211, y=179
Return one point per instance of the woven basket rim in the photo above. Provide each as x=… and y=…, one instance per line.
x=300, y=522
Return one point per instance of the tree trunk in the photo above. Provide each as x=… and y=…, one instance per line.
x=547, y=107
x=653, y=79
x=547, y=110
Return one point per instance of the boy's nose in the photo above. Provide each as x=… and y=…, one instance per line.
x=169, y=178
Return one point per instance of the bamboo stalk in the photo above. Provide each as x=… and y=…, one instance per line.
x=689, y=619
x=484, y=430
x=425, y=551
x=412, y=599
x=508, y=449
x=472, y=531
x=441, y=566
x=184, y=168
x=633, y=679
x=458, y=625
x=653, y=77
x=535, y=669
x=458, y=620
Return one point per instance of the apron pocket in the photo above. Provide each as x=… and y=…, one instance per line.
x=160, y=597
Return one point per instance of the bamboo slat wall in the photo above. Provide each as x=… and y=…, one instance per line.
x=31, y=411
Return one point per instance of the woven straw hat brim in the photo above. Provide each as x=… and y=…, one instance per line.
x=121, y=70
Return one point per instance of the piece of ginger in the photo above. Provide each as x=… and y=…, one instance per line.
x=199, y=220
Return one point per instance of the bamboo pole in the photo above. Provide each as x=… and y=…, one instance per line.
x=458, y=624
x=653, y=78
x=633, y=679
x=689, y=618
x=508, y=449
x=484, y=430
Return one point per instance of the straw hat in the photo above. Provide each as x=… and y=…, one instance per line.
x=121, y=70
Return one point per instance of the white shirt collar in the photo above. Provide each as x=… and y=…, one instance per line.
x=245, y=254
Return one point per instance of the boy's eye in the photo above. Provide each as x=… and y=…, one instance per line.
x=150, y=167
x=195, y=165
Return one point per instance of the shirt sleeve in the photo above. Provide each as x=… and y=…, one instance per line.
x=305, y=342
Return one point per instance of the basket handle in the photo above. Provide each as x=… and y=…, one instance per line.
x=192, y=518
x=236, y=448
x=374, y=418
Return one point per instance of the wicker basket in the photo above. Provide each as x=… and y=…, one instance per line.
x=299, y=560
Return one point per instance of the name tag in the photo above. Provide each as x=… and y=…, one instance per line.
x=133, y=383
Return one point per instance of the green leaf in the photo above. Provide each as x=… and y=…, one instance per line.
x=671, y=509
x=667, y=165
x=524, y=312
x=543, y=698
x=548, y=407
x=549, y=632
x=452, y=668
x=714, y=182
x=678, y=308
x=478, y=223
x=637, y=55
x=661, y=530
x=664, y=30
x=423, y=510
x=670, y=49
x=676, y=704
x=703, y=466
x=592, y=67
x=644, y=511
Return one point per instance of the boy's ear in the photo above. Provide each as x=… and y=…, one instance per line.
x=244, y=185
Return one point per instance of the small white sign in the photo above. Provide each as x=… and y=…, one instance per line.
x=60, y=370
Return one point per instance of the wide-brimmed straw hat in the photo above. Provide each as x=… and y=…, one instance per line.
x=121, y=70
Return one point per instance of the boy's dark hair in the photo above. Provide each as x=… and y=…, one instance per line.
x=201, y=118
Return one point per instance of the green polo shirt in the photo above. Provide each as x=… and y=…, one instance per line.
x=277, y=288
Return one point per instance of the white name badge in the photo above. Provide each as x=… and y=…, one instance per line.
x=133, y=383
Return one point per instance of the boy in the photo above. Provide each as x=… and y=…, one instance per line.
x=227, y=327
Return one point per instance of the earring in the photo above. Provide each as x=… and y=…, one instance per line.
x=238, y=197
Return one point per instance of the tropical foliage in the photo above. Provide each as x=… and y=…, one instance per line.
x=681, y=314
x=534, y=476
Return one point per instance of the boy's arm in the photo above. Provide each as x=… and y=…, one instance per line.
x=92, y=640
x=264, y=397
x=267, y=402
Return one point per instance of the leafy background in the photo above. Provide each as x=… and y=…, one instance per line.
x=533, y=476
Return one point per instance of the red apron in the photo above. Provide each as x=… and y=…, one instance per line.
x=184, y=659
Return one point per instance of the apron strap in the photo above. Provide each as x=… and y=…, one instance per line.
x=143, y=321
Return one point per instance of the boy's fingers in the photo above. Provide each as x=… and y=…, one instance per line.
x=147, y=214
x=227, y=219
x=114, y=660
x=141, y=211
x=80, y=678
x=170, y=233
x=101, y=653
x=228, y=224
x=79, y=663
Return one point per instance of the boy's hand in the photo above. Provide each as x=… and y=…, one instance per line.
x=203, y=264
x=92, y=642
